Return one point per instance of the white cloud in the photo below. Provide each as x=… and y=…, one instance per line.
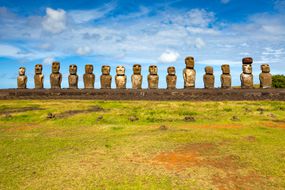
x=48, y=60
x=84, y=50
x=9, y=51
x=199, y=43
x=200, y=17
x=168, y=56
x=54, y=21
x=225, y=1
x=81, y=16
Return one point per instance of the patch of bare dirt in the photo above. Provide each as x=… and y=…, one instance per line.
x=70, y=113
x=221, y=126
x=8, y=111
x=275, y=124
x=228, y=175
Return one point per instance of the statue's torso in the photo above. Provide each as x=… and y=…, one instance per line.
x=189, y=77
x=55, y=80
x=121, y=81
x=136, y=81
x=106, y=81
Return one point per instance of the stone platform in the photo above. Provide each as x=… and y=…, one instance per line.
x=146, y=94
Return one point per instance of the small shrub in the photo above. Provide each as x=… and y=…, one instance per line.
x=278, y=81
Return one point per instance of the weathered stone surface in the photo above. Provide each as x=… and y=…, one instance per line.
x=265, y=77
x=226, y=79
x=171, y=78
x=39, y=77
x=120, y=78
x=153, y=78
x=89, y=77
x=246, y=77
x=56, y=76
x=105, y=78
x=137, y=77
x=73, y=77
x=209, y=78
x=146, y=94
x=189, y=73
x=22, y=78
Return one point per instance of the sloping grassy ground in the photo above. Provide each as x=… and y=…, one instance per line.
x=72, y=144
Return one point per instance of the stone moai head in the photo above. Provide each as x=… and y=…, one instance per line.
x=137, y=69
x=55, y=67
x=209, y=70
x=106, y=70
x=88, y=69
x=38, y=69
x=120, y=70
x=153, y=70
x=265, y=68
x=73, y=69
x=171, y=70
x=226, y=69
x=189, y=62
x=22, y=71
x=247, y=68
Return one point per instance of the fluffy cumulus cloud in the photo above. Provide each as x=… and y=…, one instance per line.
x=168, y=56
x=54, y=21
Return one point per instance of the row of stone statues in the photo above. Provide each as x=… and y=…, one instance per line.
x=189, y=75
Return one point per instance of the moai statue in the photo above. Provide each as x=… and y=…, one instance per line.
x=106, y=78
x=120, y=78
x=189, y=73
x=226, y=79
x=152, y=78
x=22, y=78
x=171, y=78
x=137, y=77
x=56, y=76
x=265, y=77
x=39, y=77
x=89, y=77
x=209, y=78
x=246, y=77
x=73, y=77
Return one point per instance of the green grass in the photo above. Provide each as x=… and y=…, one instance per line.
x=105, y=150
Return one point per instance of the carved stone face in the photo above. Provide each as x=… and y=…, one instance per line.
x=247, y=68
x=153, y=70
x=209, y=70
x=171, y=70
x=88, y=69
x=72, y=69
x=265, y=68
x=120, y=70
x=55, y=67
x=189, y=61
x=137, y=69
x=106, y=70
x=225, y=69
x=38, y=69
x=22, y=71
x=247, y=60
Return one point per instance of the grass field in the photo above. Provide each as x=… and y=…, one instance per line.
x=78, y=144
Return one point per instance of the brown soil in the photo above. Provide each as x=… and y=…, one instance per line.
x=70, y=113
x=275, y=124
x=228, y=168
x=8, y=111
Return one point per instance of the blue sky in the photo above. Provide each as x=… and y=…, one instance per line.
x=147, y=32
